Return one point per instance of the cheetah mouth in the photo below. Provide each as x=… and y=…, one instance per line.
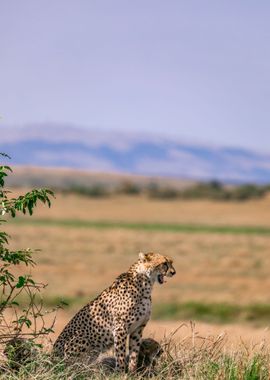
x=160, y=278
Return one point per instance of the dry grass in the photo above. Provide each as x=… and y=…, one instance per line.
x=194, y=357
x=143, y=209
x=210, y=267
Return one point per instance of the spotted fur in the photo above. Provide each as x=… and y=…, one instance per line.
x=150, y=351
x=121, y=310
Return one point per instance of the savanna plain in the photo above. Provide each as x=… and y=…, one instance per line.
x=217, y=305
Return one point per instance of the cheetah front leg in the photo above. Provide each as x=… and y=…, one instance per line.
x=134, y=348
x=120, y=339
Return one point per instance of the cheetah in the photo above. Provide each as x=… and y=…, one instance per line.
x=20, y=351
x=150, y=351
x=120, y=311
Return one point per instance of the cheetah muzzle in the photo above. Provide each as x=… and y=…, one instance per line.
x=120, y=311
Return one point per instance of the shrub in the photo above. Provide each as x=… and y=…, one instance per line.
x=155, y=191
x=95, y=191
x=128, y=187
x=248, y=191
x=15, y=283
x=209, y=190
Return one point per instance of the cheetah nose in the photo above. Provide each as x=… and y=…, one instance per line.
x=173, y=272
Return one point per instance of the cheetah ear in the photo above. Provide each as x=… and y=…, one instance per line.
x=142, y=257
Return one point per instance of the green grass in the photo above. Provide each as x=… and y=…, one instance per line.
x=213, y=312
x=207, y=312
x=161, y=227
x=200, y=311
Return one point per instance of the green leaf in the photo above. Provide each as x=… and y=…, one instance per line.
x=31, y=281
x=14, y=303
x=21, y=282
x=12, y=285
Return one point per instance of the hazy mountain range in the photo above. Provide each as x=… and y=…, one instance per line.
x=94, y=150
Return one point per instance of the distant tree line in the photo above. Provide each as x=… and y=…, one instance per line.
x=203, y=190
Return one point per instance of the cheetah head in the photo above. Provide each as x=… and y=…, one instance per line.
x=156, y=266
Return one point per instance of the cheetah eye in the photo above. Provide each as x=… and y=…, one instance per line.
x=166, y=266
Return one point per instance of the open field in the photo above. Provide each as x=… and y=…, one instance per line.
x=211, y=267
x=140, y=209
x=161, y=227
x=221, y=254
x=220, y=249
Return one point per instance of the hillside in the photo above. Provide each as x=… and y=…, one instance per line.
x=79, y=148
x=63, y=178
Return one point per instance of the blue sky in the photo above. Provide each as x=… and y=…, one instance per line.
x=198, y=70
